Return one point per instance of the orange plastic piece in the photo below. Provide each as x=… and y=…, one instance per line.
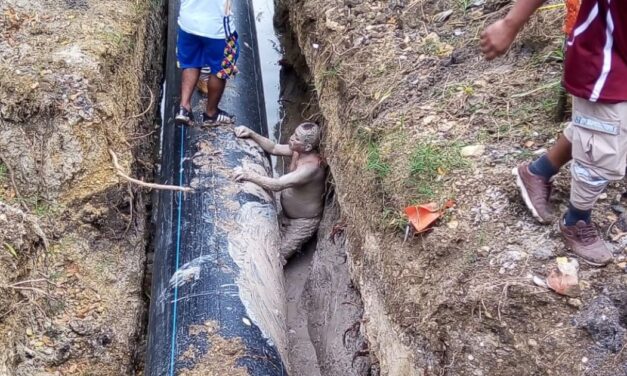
x=572, y=11
x=423, y=215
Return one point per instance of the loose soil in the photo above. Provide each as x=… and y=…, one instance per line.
x=324, y=308
x=76, y=78
x=404, y=91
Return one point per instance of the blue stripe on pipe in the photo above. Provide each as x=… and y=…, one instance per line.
x=178, y=251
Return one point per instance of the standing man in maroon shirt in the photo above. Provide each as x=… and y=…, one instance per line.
x=595, y=73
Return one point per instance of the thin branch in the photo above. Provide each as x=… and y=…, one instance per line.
x=12, y=176
x=152, y=102
x=119, y=172
x=543, y=87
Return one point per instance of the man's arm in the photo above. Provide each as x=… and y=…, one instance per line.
x=267, y=145
x=303, y=175
x=498, y=37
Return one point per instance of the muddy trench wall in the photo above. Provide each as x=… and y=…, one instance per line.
x=77, y=79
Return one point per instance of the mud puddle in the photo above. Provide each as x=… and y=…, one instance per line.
x=324, y=309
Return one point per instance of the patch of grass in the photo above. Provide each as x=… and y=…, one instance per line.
x=429, y=162
x=374, y=162
x=463, y=5
x=3, y=172
x=394, y=220
x=331, y=72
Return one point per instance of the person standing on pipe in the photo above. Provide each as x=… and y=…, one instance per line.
x=206, y=39
x=301, y=189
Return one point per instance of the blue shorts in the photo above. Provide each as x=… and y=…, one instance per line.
x=217, y=55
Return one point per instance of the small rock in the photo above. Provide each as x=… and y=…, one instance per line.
x=472, y=150
x=603, y=196
x=429, y=119
x=29, y=332
x=618, y=209
x=471, y=358
x=543, y=252
x=452, y=224
x=584, y=360
x=532, y=342
x=509, y=259
x=539, y=281
x=574, y=302
x=484, y=251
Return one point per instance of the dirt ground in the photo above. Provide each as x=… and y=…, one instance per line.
x=324, y=308
x=414, y=114
x=77, y=78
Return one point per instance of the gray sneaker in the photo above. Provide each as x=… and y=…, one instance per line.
x=584, y=241
x=535, y=191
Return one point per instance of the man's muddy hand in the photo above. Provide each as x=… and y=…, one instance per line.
x=243, y=132
x=497, y=38
x=239, y=174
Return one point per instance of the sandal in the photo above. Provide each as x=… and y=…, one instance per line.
x=184, y=117
x=221, y=117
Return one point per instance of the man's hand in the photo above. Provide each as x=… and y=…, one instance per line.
x=243, y=132
x=497, y=38
x=239, y=174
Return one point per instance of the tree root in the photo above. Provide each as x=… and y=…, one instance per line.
x=121, y=174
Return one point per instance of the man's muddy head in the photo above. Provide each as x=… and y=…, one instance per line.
x=306, y=137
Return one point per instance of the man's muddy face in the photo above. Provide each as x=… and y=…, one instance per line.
x=297, y=143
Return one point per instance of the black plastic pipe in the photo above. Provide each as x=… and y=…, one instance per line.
x=217, y=299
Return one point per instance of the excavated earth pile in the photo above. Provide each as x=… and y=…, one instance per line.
x=414, y=114
x=77, y=78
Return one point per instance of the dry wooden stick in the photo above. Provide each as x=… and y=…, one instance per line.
x=12, y=176
x=119, y=172
x=152, y=101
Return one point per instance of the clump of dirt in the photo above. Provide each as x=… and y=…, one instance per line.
x=221, y=355
x=76, y=78
x=414, y=114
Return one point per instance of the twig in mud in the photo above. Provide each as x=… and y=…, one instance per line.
x=152, y=102
x=141, y=136
x=119, y=172
x=130, y=203
x=28, y=281
x=543, y=87
x=12, y=177
x=35, y=289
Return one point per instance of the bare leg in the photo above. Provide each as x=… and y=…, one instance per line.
x=189, y=79
x=560, y=153
x=215, y=89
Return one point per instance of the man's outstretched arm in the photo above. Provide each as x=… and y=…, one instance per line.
x=267, y=145
x=498, y=37
x=303, y=175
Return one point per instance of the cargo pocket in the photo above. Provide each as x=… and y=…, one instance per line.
x=597, y=143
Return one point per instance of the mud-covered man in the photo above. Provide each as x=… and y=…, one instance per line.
x=302, y=188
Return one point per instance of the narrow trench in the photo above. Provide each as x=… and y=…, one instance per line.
x=324, y=310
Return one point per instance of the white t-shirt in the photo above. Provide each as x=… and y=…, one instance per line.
x=205, y=17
